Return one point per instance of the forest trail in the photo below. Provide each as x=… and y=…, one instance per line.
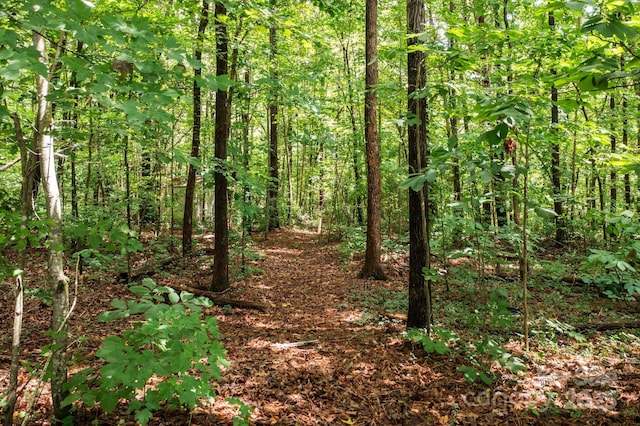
x=343, y=371
x=318, y=355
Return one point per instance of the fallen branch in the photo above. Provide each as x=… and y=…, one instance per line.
x=606, y=326
x=222, y=301
x=147, y=270
x=294, y=344
x=394, y=316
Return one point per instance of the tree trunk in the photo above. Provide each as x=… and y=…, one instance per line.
x=419, y=313
x=246, y=123
x=614, y=175
x=354, y=130
x=187, y=219
x=372, y=267
x=221, y=245
x=556, y=172
x=57, y=279
x=273, y=221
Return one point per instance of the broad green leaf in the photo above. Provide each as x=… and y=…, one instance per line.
x=415, y=182
x=545, y=213
x=174, y=297
x=139, y=290
x=108, y=401
x=118, y=304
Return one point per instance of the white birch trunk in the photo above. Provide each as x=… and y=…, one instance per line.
x=57, y=279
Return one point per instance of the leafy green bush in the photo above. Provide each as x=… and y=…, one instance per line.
x=620, y=280
x=354, y=240
x=168, y=359
x=480, y=354
x=101, y=240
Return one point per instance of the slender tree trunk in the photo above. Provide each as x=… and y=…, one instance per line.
x=524, y=256
x=354, y=130
x=57, y=279
x=221, y=245
x=372, y=267
x=187, y=219
x=274, y=179
x=419, y=312
x=625, y=142
x=321, y=200
x=556, y=172
x=614, y=174
x=246, y=122
x=289, y=161
x=14, y=370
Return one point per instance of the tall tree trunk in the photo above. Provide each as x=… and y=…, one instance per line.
x=321, y=197
x=354, y=130
x=556, y=172
x=625, y=142
x=187, y=218
x=419, y=312
x=57, y=279
x=246, y=123
x=372, y=267
x=614, y=174
x=221, y=245
x=273, y=221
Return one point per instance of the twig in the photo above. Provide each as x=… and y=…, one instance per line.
x=294, y=344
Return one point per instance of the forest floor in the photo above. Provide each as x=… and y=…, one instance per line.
x=317, y=356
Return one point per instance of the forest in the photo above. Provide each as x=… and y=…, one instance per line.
x=312, y=212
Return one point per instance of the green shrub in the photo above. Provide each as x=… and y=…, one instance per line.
x=168, y=359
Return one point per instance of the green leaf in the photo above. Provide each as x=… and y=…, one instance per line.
x=111, y=315
x=108, y=401
x=143, y=416
x=470, y=373
x=174, y=297
x=112, y=348
x=139, y=290
x=119, y=304
x=545, y=213
x=415, y=182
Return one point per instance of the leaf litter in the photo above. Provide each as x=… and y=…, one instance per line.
x=311, y=359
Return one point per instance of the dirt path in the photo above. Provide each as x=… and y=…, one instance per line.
x=348, y=372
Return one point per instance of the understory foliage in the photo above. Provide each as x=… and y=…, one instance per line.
x=170, y=358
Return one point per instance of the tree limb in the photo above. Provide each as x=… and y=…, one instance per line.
x=9, y=165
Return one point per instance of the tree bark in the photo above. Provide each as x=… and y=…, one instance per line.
x=57, y=279
x=614, y=174
x=354, y=130
x=419, y=312
x=556, y=172
x=220, y=280
x=372, y=267
x=187, y=219
x=273, y=221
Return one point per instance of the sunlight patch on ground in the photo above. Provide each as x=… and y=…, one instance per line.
x=351, y=317
x=258, y=343
x=285, y=251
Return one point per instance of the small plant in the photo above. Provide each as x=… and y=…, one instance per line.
x=354, y=240
x=480, y=354
x=566, y=329
x=621, y=279
x=168, y=359
x=439, y=343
